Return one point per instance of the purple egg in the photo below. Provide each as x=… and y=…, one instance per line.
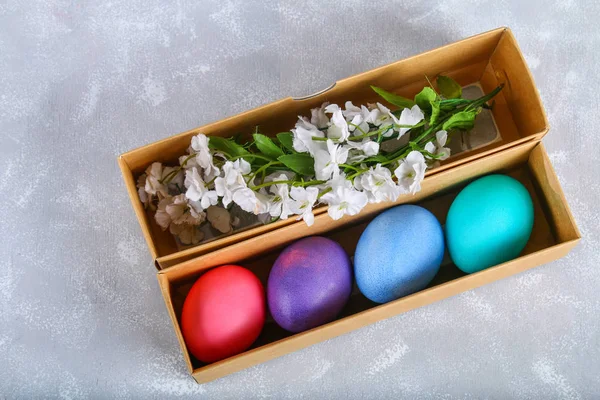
x=310, y=284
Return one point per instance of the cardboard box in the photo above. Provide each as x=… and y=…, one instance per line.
x=486, y=60
x=554, y=234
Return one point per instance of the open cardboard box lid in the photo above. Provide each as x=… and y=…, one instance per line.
x=486, y=60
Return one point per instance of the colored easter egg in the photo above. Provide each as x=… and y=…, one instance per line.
x=489, y=223
x=309, y=284
x=398, y=253
x=223, y=313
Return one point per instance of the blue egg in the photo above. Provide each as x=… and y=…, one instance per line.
x=399, y=253
x=489, y=223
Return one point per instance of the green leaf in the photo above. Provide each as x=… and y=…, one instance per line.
x=394, y=99
x=425, y=97
x=435, y=112
x=451, y=104
x=300, y=163
x=266, y=146
x=227, y=146
x=462, y=120
x=448, y=87
x=287, y=141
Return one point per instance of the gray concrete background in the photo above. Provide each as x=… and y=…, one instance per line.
x=83, y=81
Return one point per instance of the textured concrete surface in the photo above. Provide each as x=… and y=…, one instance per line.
x=82, y=81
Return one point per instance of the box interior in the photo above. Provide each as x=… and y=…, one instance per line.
x=548, y=231
x=486, y=60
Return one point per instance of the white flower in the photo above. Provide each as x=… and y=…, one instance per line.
x=188, y=161
x=408, y=116
x=332, y=108
x=183, y=212
x=378, y=184
x=174, y=176
x=351, y=111
x=225, y=191
x=280, y=203
x=160, y=180
x=344, y=200
x=318, y=117
x=280, y=176
x=197, y=190
x=304, y=200
x=251, y=201
x=370, y=148
x=302, y=140
x=339, y=181
x=154, y=176
x=338, y=128
x=219, y=218
x=187, y=234
x=359, y=125
x=243, y=165
x=379, y=115
x=232, y=179
x=141, y=187
x=162, y=217
x=378, y=106
x=327, y=161
x=366, y=146
x=203, y=156
x=438, y=148
x=411, y=172
x=355, y=156
x=304, y=122
x=359, y=118
x=177, y=211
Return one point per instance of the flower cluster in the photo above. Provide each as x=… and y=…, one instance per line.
x=344, y=158
x=340, y=140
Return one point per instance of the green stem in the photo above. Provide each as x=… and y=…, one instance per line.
x=324, y=192
x=431, y=155
x=357, y=127
x=349, y=166
x=289, y=182
x=431, y=85
x=398, y=157
x=410, y=126
x=421, y=137
x=366, y=135
x=263, y=168
x=251, y=156
x=386, y=128
x=484, y=99
x=167, y=179
x=424, y=137
x=354, y=175
x=211, y=181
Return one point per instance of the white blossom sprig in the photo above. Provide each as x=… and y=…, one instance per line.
x=334, y=158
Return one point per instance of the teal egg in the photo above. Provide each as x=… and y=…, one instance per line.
x=489, y=223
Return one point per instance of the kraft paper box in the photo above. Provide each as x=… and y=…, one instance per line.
x=554, y=234
x=486, y=60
